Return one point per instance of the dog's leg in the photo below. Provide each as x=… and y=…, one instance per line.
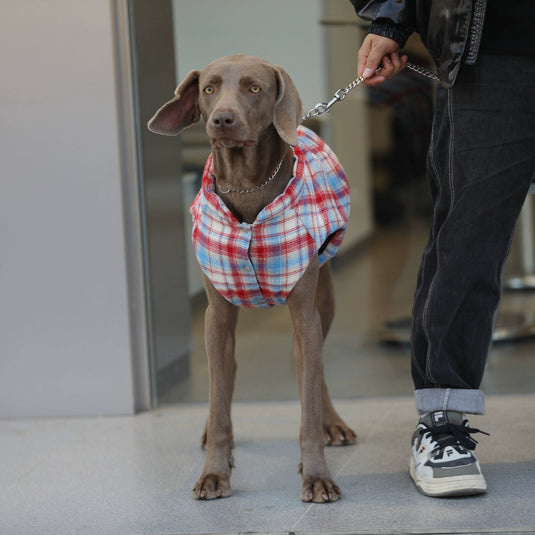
x=220, y=325
x=325, y=301
x=337, y=432
x=318, y=485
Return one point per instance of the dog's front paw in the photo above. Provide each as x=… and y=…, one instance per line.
x=211, y=486
x=321, y=491
x=318, y=489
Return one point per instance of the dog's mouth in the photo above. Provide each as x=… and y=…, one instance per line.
x=225, y=142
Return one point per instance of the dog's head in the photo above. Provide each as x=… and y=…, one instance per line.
x=238, y=98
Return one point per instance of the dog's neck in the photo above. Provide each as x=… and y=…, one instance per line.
x=248, y=169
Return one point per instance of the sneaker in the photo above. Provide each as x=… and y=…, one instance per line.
x=441, y=463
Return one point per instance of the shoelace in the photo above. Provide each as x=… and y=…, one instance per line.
x=449, y=434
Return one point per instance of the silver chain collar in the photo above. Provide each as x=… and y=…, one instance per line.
x=341, y=94
x=251, y=190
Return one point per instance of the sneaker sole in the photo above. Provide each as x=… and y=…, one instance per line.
x=448, y=486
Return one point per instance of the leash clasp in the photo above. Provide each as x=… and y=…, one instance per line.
x=341, y=94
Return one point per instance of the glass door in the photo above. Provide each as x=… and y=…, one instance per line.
x=160, y=193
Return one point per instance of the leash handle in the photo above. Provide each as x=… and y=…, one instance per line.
x=341, y=94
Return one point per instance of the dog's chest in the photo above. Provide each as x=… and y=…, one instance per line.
x=245, y=207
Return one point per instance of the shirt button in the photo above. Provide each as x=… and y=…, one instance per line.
x=248, y=268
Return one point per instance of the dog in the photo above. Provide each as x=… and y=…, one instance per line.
x=271, y=212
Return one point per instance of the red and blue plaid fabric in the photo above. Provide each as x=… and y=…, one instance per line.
x=258, y=264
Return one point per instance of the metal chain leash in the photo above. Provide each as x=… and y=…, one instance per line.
x=422, y=71
x=341, y=94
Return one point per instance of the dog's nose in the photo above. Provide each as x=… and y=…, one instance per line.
x=223, y=119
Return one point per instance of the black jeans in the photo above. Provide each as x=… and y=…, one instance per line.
x=481, y=162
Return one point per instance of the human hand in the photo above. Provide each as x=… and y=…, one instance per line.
x=378, y=51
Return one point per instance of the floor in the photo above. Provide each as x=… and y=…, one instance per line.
x=134, y=475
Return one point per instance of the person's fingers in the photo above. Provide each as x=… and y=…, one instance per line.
x=373, y=49
x=373, y=61
x=391, y=65
x=388, y=67
x=387, y=70
x=363, y=54
x=396, y=63
x=372, y=54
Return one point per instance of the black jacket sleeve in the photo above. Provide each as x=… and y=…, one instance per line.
x=395, y=19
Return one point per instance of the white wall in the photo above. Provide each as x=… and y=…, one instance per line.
x=284, y=32
x=64, y=333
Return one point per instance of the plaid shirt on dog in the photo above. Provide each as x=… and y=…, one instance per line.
x=258, y=264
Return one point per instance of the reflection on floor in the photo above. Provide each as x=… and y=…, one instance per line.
x=373, y=286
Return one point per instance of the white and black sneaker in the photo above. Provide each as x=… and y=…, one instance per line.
x=442, y=463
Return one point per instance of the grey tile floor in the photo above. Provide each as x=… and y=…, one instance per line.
x=134, y=475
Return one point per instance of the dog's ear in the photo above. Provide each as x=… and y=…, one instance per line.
x=180, y=112
x=288, y=107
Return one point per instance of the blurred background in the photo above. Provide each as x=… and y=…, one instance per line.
x=100, y=296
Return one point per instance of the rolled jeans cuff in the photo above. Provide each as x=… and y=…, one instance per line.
x=450, y=399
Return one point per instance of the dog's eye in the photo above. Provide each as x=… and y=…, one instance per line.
x=255, y=89
x=208, y=90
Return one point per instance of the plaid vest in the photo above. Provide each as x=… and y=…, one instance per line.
x=258, y=264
